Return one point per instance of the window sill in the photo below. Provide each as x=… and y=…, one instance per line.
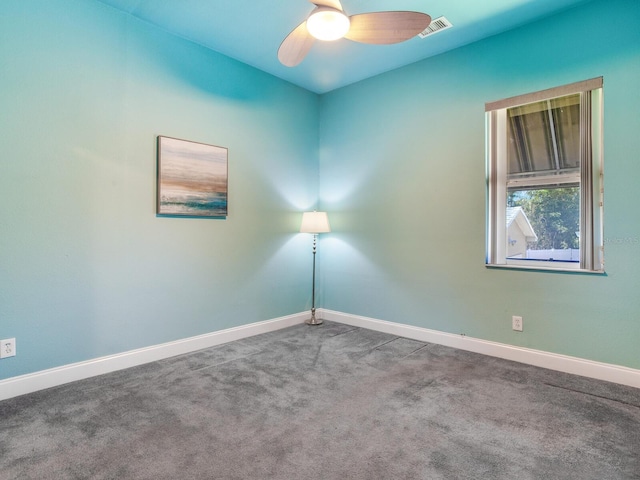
x=527, y=268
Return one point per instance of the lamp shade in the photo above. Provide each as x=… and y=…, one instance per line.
x=315, y=222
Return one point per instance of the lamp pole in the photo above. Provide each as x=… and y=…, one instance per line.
x=313, y=320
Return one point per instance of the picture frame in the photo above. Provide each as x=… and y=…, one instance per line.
x=192, y=179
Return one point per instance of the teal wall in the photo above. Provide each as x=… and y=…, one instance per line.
x=86, y=267
x=402, y=171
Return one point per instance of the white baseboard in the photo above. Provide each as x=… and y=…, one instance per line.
x=32, y=382
x=552, y=361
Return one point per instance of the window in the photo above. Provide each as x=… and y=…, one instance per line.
x=544, y=170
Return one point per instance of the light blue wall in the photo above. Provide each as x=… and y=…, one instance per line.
x=86, y=267
x=402, y=171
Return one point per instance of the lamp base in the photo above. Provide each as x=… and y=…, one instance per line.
x=313, y=320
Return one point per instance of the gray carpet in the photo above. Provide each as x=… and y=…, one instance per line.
x=328, y=402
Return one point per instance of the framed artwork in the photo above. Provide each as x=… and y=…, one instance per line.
x=192, y=179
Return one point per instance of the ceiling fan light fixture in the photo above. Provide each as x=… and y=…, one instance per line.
x=328, y=24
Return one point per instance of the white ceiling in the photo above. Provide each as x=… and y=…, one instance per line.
x=251, y=31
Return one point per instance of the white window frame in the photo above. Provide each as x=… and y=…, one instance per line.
x=590, y=178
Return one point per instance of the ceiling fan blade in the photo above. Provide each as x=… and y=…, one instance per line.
x=327, y=3
x=383, y=28
x=295, y=47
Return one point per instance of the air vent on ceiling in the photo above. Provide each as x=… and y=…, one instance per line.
x=436, y=26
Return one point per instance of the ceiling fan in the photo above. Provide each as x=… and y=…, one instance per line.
x=329, y=22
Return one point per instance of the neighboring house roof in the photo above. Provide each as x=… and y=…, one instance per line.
x=516, y=214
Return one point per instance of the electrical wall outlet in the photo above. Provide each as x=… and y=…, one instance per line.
x=516, y=323
x=8, y=348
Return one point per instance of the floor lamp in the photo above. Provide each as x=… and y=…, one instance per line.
x=315, y=223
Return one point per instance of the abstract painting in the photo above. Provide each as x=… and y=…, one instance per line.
x=192, y=179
